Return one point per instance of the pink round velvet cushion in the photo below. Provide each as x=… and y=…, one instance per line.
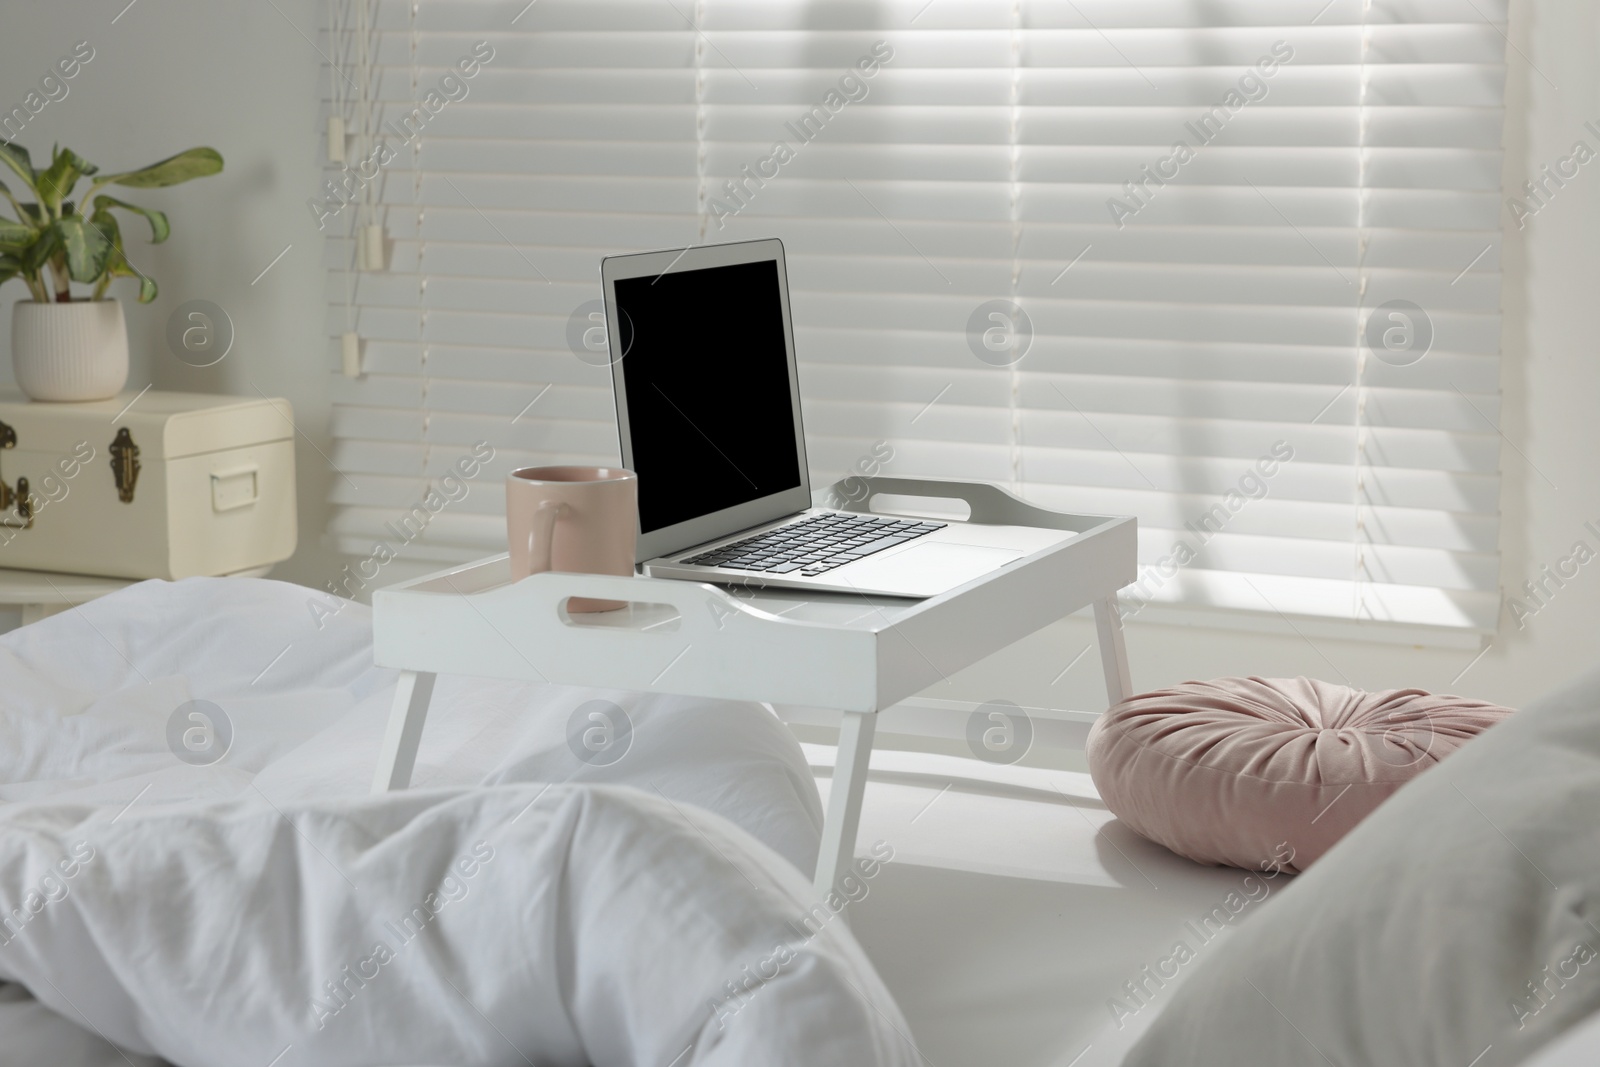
x=1239, y=771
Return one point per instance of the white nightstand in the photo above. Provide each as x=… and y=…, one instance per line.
x=41, y=593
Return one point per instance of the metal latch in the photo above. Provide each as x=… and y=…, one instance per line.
x=17, y=498
x=125, y=464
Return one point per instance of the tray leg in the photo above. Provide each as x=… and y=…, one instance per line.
x=400, y=740
x=1113, y=650
x=844, y=799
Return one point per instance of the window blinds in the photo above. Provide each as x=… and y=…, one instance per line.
x=1230, y=266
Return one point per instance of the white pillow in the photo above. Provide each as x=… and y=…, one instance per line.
x=1578, y=1047
x=1458, y=925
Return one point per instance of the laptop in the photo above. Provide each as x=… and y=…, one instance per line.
x=702, y=356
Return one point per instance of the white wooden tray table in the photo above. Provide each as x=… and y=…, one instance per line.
x=858, y=654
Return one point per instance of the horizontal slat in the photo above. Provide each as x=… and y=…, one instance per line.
x=1324, y=597
x=903, y=84
x=1159, y=452
x=970, y=201
x=457, y=311
x=822, y=16
x=897, y=294
x=653, y=122
x=1104, y=474
x=1269, y=167
x=1133, y=387
x=617, y=42
x=460, y=243
x=1450, y=411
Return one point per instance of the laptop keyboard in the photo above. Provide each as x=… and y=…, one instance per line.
x=815, y=545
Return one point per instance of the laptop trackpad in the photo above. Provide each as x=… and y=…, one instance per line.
x=925, y=570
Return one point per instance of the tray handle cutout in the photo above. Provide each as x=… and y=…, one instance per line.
x=633, y=615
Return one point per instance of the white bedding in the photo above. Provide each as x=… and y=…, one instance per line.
x=87, y=696
x=219, y=898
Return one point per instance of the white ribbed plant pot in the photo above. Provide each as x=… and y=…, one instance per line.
x=76, y=351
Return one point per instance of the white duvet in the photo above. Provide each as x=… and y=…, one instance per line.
x=262, y=910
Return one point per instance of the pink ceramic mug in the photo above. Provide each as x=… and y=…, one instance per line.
x=573, y=519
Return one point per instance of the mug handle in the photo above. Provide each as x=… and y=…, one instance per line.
x=544, y=525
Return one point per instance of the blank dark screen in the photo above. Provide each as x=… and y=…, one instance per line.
x=706, y=373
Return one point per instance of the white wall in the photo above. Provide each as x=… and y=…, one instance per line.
x=237, y=76
x=167, y=76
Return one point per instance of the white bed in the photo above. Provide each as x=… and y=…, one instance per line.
x=221, y=899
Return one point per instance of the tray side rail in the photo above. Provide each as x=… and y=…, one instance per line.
x=956, y=629
x=715, y=645
x=990, y=504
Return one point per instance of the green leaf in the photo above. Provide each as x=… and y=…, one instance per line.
x=81, y=165
x=159, y=227
x=16, y=157
x=10, y=267
x=107, y=224
x=15, y=236
x=65, y=170
x=195, y=163
x=36, y=255
x=87, y=248
x=121, y=268
x=5, y=191
x=117, y=265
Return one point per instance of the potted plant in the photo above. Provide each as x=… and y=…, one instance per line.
x=65, y=347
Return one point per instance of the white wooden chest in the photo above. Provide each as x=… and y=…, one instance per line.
x=168, y=485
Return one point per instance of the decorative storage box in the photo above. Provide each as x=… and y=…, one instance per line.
x=168, y=485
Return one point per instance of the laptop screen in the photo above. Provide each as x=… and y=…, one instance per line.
x=710, y=415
